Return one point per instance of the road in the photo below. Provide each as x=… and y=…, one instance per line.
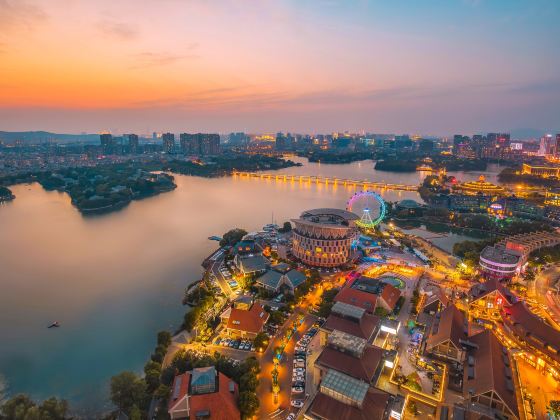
x=539, y=389
x=280, y=408
x=544, y=281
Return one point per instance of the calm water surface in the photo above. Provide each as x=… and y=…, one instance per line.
x=113, y=281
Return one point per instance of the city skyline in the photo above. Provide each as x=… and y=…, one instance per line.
x=439, y=68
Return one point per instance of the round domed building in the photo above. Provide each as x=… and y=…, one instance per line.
x=409, y=207
x=324, y=237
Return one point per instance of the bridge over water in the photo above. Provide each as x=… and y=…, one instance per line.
x=326, y=180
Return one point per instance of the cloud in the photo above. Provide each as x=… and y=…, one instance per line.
x=17, y=14
x=149, y=59
x=119, y=30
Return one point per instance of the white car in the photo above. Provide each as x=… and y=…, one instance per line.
x=299, y=370
x=297, y=389
x=299, y=365
x=291, y=416
x=296, y=403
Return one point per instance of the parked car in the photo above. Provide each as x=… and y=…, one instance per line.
x=296, y=403
x=299, y=383
x=291, y=416
x=218, y=341
x=236, y=344
x=299, y=370
x=253, y=348
x=298, y=378
x=299, y=364
x=297, y=389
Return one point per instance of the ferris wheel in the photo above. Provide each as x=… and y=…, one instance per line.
x=367, y=203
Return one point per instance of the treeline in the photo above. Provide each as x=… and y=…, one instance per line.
x=21, y=407
x=6, y=194
x=337, y=157
x=396, y=165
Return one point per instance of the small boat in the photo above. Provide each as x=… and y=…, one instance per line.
x=55, y=324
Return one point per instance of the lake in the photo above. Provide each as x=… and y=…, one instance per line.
x=113, y=281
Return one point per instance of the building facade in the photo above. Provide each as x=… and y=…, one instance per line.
x=324, y=237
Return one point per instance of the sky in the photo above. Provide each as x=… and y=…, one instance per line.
x=401, y=66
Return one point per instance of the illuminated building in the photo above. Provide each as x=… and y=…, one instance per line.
x=489, y=383
x=552, y=197
x=507, y=257
x=168, y=142
x=480, y=186
x=447, y=334
x=486, y=299
x=528, y=327
x=548, y=146
x=324, y=237
x=544, y=171
x=500, y=263
x=514, y=206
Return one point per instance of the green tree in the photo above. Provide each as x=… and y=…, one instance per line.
x=164, y=338
x=261, y=340
x=232, y=236
x=127, y=390
x=54, y=409
x=17, y=407
x=287, y=227
x=248, y=404
x=553, y=408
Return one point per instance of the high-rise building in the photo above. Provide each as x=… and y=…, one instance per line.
x=281, y=142
x=168, y=142
x=200, y=144
x=237, y=139
x=548, y=146
x=133, y=143
x=107, y=143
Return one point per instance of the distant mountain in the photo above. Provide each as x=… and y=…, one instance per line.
x=34, y=137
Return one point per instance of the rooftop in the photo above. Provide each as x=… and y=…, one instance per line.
x=347, y=310
x=347, y=343
x=340, y=383
x=449, y=326
x=251, y=321
x=488, y=369
x=499, y=255
x=362, y=328
x=326, y=407
x=329, y=216
x=362, y=366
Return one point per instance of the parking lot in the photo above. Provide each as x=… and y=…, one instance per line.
x=300, y=384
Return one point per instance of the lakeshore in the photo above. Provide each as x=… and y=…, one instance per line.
x=127, y=271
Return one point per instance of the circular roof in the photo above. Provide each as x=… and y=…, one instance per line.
x=409, y=204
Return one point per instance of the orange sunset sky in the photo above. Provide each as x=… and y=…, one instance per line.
x=309, y=66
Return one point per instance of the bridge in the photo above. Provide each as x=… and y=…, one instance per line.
x=365, y=184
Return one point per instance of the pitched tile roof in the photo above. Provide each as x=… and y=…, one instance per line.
x=488, y=369
x=450, y=326
x=363, y=328
x=251, y=321
x=532, y=329
x=221, y=404
x=390, y=295
x=358, y=298
x=373, y=407
x=480, y=290
x=362, y=368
